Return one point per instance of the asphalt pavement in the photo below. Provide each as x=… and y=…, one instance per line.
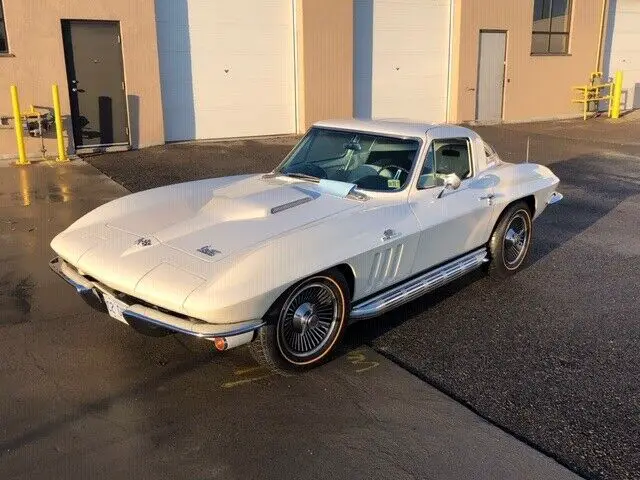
x=552, y=355
x=84, y=396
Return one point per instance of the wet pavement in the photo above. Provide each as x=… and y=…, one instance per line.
x=83, y=396
x=552, y=355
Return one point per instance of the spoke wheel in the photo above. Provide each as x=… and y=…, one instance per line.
x=510, y=241
x=304, y=325
x=516, y=241
x=307, y=321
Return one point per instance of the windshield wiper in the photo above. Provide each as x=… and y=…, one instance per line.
x=302, y=176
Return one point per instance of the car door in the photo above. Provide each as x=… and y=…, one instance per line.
x=452, y=222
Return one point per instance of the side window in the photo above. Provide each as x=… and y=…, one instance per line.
x=446, y=156
x=492, y=156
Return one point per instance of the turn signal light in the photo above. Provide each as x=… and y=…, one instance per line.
x=220, y=343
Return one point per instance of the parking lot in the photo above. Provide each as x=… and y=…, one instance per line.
x=531, y=375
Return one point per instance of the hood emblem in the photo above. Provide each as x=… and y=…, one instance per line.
x=143, y=242
x=208, y=250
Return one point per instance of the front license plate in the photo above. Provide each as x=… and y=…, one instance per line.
x=114, y=306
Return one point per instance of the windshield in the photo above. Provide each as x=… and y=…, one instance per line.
x=371, y=162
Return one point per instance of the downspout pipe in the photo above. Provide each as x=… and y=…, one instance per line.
x=450, y=62
x=603, y=16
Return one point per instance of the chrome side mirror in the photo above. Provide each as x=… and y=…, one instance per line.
x=451, y=182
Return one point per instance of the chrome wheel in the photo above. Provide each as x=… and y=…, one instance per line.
x=307, y=321
x=516, y=240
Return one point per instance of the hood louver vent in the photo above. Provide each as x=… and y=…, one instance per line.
x=286, y=206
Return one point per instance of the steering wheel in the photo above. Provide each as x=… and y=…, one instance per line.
x=397, y=174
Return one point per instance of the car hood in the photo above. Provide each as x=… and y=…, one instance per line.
x=192, y=225
x=213, y=224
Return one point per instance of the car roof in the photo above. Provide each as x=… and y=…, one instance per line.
x=394, y=127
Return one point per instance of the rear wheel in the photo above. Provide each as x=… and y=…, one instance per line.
x=510, y=241
x=307, y=324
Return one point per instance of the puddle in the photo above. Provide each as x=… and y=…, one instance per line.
x=54, y=192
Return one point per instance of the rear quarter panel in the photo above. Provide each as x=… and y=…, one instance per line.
x=516, y=181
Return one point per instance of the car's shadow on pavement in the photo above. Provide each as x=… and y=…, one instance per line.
x=549, y=353
x=364, y=332
x=592, y=187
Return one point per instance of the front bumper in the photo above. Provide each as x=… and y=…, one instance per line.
x=139, y=313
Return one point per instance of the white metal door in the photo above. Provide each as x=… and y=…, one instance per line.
x=491, y=66
x=227, y=68
x=622, y=48
x=401, y=59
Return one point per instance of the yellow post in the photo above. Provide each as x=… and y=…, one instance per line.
x=17, y=124
x=617, y=95
x=62, y=155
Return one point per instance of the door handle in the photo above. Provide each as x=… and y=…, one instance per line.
x=389, y=234
x=488, y=197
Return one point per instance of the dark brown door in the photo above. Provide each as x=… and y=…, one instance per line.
x=93, y=56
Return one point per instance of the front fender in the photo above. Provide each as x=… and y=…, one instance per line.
x=246, y=286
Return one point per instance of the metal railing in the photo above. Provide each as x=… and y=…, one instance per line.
x=33, y=116
x=594, y=93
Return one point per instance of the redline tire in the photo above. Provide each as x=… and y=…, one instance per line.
x=308, y=323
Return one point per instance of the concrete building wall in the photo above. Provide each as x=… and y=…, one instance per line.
x=325, y=60
x=36, y=60
x=537, y=86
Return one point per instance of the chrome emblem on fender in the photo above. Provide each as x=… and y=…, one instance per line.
x=208, y=250
x=143, y=242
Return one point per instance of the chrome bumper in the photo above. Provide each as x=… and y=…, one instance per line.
x=555, y=197
x=91, y=292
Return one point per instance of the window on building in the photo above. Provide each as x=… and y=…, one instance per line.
x=4, y=46
x=551, y=20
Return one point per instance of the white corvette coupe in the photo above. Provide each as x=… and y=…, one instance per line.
x=360, y=217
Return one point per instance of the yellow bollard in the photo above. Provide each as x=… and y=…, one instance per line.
x=62, y=155
x=17, y=125
x=617, y=95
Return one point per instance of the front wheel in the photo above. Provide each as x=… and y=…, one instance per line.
x=510, y=241
x=307, y=324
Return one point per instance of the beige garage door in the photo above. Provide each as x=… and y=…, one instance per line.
x=401, y=58
x=227, y=67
